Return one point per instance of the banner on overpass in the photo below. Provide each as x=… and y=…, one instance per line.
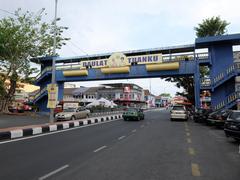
x=120, y=60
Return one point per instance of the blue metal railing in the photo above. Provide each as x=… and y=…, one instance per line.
x=230, y=99
x=40, y=93
x=221, y=77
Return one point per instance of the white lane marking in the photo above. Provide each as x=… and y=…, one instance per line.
x=16, y=133
x=53, y=172
x=133, y=131
x=99, y=149
x=37, y=130
x=55, y=132
x=121, y=137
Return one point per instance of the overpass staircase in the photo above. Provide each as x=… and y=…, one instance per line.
x=212, y=83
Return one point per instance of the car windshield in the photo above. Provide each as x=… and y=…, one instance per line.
x=69, y=110
x=132, y=109
x=178, y=108
x=235, y=116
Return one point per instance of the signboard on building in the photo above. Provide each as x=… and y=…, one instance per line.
x=127, y=89
x=67, y=105
x=52, y=95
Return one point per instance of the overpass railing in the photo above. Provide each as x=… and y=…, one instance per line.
x=40, y=93
x=182, y=57
x=46, y=69
x=229, y=100
x=221, y=77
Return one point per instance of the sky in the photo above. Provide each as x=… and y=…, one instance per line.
x=100, y=26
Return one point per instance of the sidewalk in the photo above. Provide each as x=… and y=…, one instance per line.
x=7, y=121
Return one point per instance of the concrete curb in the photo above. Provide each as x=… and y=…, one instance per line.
x=31, y=131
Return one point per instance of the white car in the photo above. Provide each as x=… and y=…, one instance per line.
x=179, y=112
x=73, y=114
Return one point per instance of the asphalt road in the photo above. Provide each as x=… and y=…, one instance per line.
x=153, y=149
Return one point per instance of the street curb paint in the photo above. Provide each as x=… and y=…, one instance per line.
x=23, y=132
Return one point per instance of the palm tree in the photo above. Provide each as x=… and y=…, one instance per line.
x=213, y=26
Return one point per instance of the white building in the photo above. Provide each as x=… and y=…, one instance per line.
x=149, y=98
x=121, y=93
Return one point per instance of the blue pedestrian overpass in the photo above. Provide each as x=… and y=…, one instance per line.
x=174, y=61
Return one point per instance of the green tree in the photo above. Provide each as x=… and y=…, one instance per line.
x=187, y=83
x=213, y=26
x=165, y=95
x=23, y=36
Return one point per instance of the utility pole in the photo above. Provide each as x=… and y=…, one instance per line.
x=51, y=118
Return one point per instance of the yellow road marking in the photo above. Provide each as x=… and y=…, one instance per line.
x=191, y=151
x=195, y=170
x=189, y=140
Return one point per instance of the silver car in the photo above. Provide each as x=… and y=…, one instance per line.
x=73, y=114
x=179, y=112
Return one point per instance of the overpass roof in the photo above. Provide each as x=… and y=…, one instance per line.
x=204, y=42
x=163, y=50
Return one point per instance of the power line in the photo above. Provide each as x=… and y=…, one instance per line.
x=8, y=12
x=71, y=50
x=76, y=46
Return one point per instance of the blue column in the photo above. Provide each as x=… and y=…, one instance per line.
x=197, y=84
x=60, y=90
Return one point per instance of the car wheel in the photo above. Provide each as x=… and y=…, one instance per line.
x=73, y=118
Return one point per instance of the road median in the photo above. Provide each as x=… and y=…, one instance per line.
x=31, y=130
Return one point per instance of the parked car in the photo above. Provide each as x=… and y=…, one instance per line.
x=58, y=109
x=232, y=125
x=218, y=118
x=201, y=115
x=133, y=114
x=73, y=114
x=16, y=109
x=179, y=112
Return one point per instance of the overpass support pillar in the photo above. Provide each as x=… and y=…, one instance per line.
x=197, y=85
x=60, y=90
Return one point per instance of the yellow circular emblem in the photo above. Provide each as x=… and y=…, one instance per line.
x=117, y=60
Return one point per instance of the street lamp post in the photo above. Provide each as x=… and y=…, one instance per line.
x=51, y=118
